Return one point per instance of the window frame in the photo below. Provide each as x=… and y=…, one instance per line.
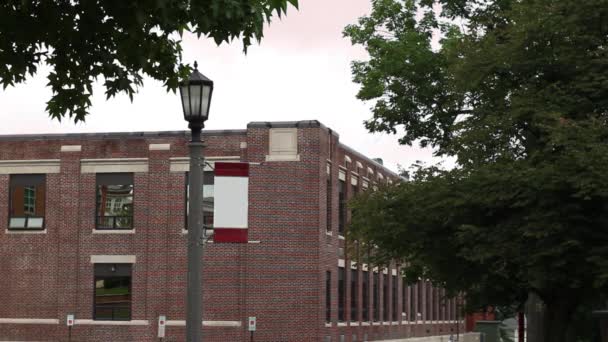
x=96, y=278
x=26, y=180
x=110, y=178
x=341, y=294
x=354, y=295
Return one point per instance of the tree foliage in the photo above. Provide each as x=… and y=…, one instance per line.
x=119, y=41
x=517, y=91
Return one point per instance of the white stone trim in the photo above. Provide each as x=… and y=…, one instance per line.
x=354, y=324
x=182, y=323
x=364, y=267
x=282, y=157
x=29, y=321
x=33, y=231
x=395, y=323
x=113, y=231
x=376, y=323
x=113, y=259
x=359, y=165
x=342, y=175
x=182, y=164
x=341, y=237
x=342, y=324
x=29, y=166
x=95, y=322
x=385, y=271
x=243, y=144
x=394, y=272
x=159, y=147
x=365, y=324
x=341, y=263
x=386, y=323
x=114, y=165
x=71, y=148
x=347, y=159
x=328, y=325
x=353, y=265
x=370, y=171
x=329, y=233
x=354, y=180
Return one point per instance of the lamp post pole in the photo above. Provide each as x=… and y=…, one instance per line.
x=196, y=94
x=194, y=308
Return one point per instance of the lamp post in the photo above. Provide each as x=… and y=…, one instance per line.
x=196, y=98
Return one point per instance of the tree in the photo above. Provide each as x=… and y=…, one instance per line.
x=119, y=41
x=517, y=91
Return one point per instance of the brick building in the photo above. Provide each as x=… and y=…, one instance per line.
x=94, y=225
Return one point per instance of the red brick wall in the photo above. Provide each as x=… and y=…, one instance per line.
x=280, y=278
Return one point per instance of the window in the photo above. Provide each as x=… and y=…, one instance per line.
x=365, y=296
x=419, y=302
x=328, y=196
x=413, y=295
x=376, y=295
x=385, y=290
x=208, y=199
x=341, y=293
x=354, y=282
x=114, y=201
x=328, y=296
x=112, y=292
x=394, y=294
x=27, y=202
x=429, y=300
x=342, y=206
x=404, y=300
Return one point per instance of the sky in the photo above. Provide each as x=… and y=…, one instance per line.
x=300, y=71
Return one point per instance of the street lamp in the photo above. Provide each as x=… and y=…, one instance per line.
x=196, y=98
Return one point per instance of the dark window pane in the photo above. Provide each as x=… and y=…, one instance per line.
x=328, y=203
x=385, y=298
x=354, y=288
x=394, y=294
x=328, y=296
x=112, y=292
x=376, y=295
x=341, y=293
x=365, y=296
x=27, y=201
x=342, y=206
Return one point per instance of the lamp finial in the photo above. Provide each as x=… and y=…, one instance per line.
x=195, y=65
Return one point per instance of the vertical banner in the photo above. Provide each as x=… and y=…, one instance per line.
x=231, y=202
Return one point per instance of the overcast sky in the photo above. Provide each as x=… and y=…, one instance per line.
x=301, y=71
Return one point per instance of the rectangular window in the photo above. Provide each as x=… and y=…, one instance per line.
x=328, y=197
x=404, y=301
x=114, y=201
x=394, y=294
x=365, y=296
x=208, y=198
x=429, y=301
x=413, y=300
x=385, y=289
x=27, y=202
x=354, y=288
x=420, y=302
x=342, y=206
x=341, y=293
x=112, y=292
x=376, y=297
x=328, y=296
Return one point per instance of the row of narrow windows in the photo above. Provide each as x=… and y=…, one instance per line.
x=419, y=302
x=115, y=193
